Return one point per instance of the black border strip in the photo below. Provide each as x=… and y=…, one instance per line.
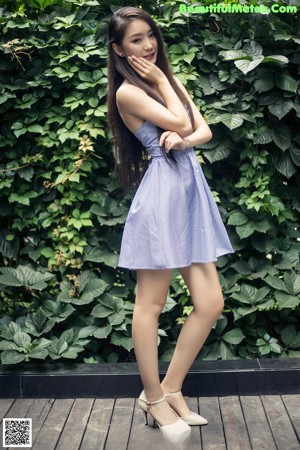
x=205, y=378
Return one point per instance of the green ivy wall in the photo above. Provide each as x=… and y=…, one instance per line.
x=61, y=207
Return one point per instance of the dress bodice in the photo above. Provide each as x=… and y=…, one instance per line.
x=149, y=136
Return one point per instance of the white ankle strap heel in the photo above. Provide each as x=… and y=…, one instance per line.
x=176, y=434
x=190, y=419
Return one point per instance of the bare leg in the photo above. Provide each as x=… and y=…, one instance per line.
x=203, y=284
x=151, y=293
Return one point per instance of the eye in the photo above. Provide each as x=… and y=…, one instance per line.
x=136, y=41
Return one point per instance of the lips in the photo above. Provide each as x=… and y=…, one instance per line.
x=149, y=57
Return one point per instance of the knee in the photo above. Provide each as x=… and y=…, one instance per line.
x=218, y=303
x=212, y=305
x=149, y=308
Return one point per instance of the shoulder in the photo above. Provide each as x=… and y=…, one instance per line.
x=129, y=93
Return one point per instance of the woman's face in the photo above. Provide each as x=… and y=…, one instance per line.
x=139, y=40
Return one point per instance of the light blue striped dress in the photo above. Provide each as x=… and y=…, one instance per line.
x=173, y=220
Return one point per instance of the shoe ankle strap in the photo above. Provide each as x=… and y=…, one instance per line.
x=171, y=394
x=154, y=402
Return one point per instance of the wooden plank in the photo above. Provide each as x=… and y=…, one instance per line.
x=212, y=434
x=292, y=404
x=149, y=438
x=195, y=439
x=281, y=426
x=38, y=413
x=19, y=410
x=98, y=425
x=5, y=405
x=52, y=427
x=75, y=424
x=120, y=428
x=257, y=423
x=143, y=436
x=236, y=433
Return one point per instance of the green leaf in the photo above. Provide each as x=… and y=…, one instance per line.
x=290, y=336
x=103, y=332
x=289, y=260
x=253, y=49
x=292, y=280
x=118, y=338
x=242, y=267
x=237, y=218
x=235, y=336
x=23, y=340
x=101, y=311
x=226, y=352
x=93, y=289
x=276, y=283
x=286, y=300
x=246, y=66
x=22, y=199
x=245, y=231
x=221, y=151
x=295, y=155
x=11, y=357
x=169, y=305
x=8, y=345
x=232, y=121
x=244, y=311
x=116, y=318
x=230, y=55
x=281, y=136
x=281, y=108
x=276, y=58
x=250, y=294
x=26, y=173
x=265, y=82
x=284, y=164
x=24, y=276
x=263, y=136
x=35, y=129
x=286, y=82
x=56, y=310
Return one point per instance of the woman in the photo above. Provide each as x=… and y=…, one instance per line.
x=173, y=221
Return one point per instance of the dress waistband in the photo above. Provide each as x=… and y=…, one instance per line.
x=176, y=152
x=182, y=152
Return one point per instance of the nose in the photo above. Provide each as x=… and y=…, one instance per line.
x=148, y=44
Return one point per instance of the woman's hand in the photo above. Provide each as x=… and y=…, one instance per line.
x=147, y=70
x=172, y=140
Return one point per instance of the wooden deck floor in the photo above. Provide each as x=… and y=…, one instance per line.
x=234, y=423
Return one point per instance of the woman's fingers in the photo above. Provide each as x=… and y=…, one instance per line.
x=163, y=137
x=147, y=70
x=139, y=64
x=172, y=140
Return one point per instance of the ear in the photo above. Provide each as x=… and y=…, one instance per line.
x=117, y=49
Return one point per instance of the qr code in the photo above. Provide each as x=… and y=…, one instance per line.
x=17, y=432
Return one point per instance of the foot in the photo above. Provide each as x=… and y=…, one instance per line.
x=159, y=409
x=178, y=403
x=163, y=413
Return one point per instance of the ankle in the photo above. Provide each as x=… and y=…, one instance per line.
x=170, y=389
x=154, y=396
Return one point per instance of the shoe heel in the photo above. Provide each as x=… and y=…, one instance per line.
x=146, y=417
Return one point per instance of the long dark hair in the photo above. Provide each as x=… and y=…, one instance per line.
x=128, y=150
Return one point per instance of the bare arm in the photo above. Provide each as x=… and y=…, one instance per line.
x=201, y=134
x=134, y=101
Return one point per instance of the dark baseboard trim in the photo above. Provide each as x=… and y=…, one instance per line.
x=206, y=378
